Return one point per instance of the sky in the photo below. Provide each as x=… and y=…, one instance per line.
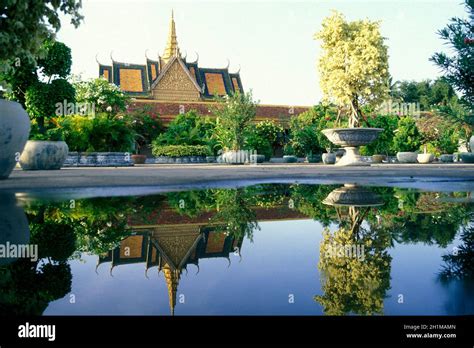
x=271, y=41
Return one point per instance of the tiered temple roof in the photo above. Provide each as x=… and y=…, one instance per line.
x=170, y=77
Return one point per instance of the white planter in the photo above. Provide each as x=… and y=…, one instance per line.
x=44, y=155
x=407, y=157
x=14, y=132
x=329, y=158
x=236, y=157
x=425, y=158
x=471, y=144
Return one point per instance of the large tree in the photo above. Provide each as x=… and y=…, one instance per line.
x=353, y=65
x=26, y=24
x=458, y=68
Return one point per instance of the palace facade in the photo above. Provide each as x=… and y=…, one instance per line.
x=171, y=85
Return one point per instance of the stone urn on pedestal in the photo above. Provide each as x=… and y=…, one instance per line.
x=350, y=139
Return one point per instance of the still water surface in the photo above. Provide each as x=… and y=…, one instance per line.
x=268, y=249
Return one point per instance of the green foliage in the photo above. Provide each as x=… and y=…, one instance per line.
x=264, y=137
x=407, y=136
x=458, y=68
x=238, y=218
x=234, y=114
x=56, y=60
x=460, y=265
x=189, y=128
x=308, y=200
x=97, y=134
x=353, y=66
x=180, y=150
x=41, y=98
x=383, y=145
x=19, y=79
x=27, y=24
x=146, y=124
x=305, y=131
x=105, y=96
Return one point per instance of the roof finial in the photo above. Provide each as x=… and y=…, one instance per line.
x=172, y=48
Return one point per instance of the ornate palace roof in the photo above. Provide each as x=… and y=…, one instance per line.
x=170, y=77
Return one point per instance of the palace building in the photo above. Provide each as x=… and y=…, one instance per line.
x=172, y=85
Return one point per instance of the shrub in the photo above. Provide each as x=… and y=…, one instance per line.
x=305, y=131
x=188, y=129
x=384, y=142
x=105, y=96
x=97, y=134
x=180, y=150
x=407, y=136
x=146, y=124
x=264, y=137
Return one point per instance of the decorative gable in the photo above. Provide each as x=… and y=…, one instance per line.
x=176, y=83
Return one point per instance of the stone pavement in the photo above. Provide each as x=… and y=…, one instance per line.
x=158, y=178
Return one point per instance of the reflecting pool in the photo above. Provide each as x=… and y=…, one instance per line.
x=268, y=249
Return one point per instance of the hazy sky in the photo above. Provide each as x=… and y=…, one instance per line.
x=272, y=41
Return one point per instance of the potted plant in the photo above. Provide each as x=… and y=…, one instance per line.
x=407, y=140
x=234, y=115
x=329, y=157
x=45, y=101
x=354, y=71
x=22, y=35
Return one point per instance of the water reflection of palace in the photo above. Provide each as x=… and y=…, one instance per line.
x=171, y=248
x=170, y=241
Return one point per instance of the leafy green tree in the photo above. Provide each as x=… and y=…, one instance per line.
x=42, y=98
x=353, y=65
x=458, y=68
x=234, y=114
x=26, y=24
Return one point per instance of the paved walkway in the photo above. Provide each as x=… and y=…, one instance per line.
x=156, y=178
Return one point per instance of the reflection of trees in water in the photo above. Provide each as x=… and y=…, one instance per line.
x=354, y=284
x=234, y=211
x=414, y=217
x=27, y=287
x=459, y=264
x=354, y=261
x=308, y=200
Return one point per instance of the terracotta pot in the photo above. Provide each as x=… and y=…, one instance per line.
x=139, y=159
x=378, y=158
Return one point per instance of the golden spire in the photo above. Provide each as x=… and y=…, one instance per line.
x=172, y=281
x=172, y=48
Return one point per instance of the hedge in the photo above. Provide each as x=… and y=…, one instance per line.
x=180, y=150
